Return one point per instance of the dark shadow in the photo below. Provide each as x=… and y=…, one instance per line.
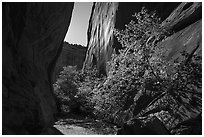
x=52, y=131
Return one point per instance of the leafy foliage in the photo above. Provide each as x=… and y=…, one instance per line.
x=73, y=89
x=140, y=84
x=65, y=87
x=132, y=70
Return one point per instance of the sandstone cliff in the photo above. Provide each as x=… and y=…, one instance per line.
x=184, y=20
x=190, y=40
x=106, y=16
x=100, y=35
x=71, y=55
x=32, y=36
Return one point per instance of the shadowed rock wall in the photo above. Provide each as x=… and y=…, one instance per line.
x=71, y=55
x=33, y=34
x=106, y=16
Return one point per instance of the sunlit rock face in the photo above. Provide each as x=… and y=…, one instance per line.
x=100, y=35
x=190, y=122
x=106, y=16
x=183, y=16
x=32, y=36
x=71, y=55
x=188, y=39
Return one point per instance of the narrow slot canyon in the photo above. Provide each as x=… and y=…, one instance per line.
x=101, y=68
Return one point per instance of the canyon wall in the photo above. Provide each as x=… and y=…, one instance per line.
x=184, y=20
x=32, y=37
x=189, y=122
x=106, y=16
x=71, y=55
x=100, y=35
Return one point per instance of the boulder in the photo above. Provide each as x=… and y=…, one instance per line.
x=136, y=127
x=191, y=126
x=32, y=37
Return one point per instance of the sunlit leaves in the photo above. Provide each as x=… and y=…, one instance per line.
x=140, y=69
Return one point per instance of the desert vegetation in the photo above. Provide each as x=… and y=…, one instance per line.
x=141, y=83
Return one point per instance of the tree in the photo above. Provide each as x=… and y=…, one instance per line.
x=142, y=84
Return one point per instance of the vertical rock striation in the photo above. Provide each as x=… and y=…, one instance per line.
x=185, y=21
x=32, y=36
x=183, y=16
x=100, y=35
x=106, y=16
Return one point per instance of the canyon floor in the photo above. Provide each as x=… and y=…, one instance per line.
x=79, y=125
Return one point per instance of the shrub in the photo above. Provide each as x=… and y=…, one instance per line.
x=90, y=79
x=131, y=70
x=74, y=89
x=66, y=87
x=141, y=82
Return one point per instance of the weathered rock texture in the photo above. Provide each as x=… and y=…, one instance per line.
x=190, y=40
x=100, y=35
x=185, y=20
x=33, y=34
x=184, y=15
x=71, y=55
x=106, y=16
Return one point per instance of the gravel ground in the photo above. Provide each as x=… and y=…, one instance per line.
x=77, y=125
